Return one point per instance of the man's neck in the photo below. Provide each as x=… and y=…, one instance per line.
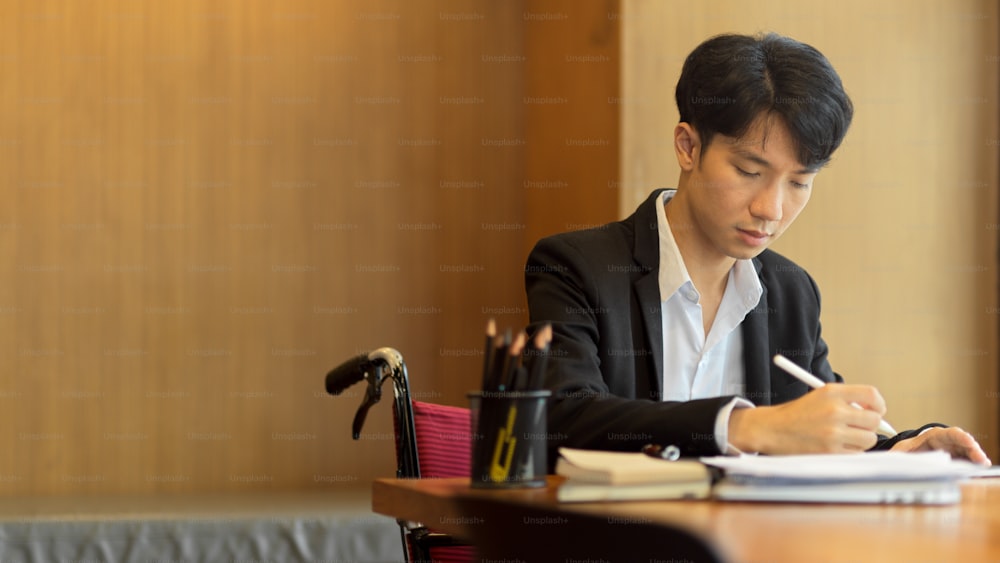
x=709, y=270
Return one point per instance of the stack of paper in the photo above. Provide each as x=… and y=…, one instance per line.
x=873, y=477
x=600, y=475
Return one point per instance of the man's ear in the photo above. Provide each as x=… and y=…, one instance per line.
x=687, y=145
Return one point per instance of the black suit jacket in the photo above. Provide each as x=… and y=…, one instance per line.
x=599, y=289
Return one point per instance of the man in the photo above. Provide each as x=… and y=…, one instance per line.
x=665, y=323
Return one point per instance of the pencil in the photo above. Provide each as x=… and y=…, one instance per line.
x=488, y=351
x=497, y=364
x=540, y=347
x=513, y=362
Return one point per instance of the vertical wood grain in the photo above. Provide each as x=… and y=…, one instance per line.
x=207, y=206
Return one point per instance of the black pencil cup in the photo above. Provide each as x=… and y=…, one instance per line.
x=508, y=438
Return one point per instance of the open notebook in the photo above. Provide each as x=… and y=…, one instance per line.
x=873, y=477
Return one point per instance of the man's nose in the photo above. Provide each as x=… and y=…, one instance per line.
x=766, y=203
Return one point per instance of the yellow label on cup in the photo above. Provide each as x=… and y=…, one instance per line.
x=501, y=471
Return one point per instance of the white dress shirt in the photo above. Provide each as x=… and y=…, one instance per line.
x=696, y=365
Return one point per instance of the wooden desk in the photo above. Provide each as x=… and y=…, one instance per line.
x=969, y=531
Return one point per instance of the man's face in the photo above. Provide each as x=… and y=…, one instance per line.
x=743, y=193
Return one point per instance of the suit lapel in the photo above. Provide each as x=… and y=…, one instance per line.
x=647, y=287
x=756, y=346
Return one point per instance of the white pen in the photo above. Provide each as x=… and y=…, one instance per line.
x=811, y=380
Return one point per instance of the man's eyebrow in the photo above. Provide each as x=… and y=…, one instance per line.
x=757, y=159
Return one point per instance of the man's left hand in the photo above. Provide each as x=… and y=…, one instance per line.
x=957, y=442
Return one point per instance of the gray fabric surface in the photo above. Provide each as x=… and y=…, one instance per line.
x=236, y=531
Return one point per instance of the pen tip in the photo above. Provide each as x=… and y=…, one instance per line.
x=491, y=327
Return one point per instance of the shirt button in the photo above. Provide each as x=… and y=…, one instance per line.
x=692, y=296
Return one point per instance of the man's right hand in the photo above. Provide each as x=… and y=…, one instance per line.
x=821, y=421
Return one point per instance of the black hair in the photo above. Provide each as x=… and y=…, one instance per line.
x=730, y=80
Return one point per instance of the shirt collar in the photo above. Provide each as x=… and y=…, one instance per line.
x=673, y=274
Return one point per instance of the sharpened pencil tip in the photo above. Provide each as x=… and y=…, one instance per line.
x=518, y=345
x=542, y=337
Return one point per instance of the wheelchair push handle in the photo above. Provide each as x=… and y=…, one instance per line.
x=347, y=374
x=375, y=367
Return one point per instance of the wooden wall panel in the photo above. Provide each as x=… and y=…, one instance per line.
x=572, y=102
x=206, y=206
x=901, y=232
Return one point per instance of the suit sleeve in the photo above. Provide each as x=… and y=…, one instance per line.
x=596, y=358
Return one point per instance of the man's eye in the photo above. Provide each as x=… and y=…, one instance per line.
x=800, y=185
x=747, y=174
